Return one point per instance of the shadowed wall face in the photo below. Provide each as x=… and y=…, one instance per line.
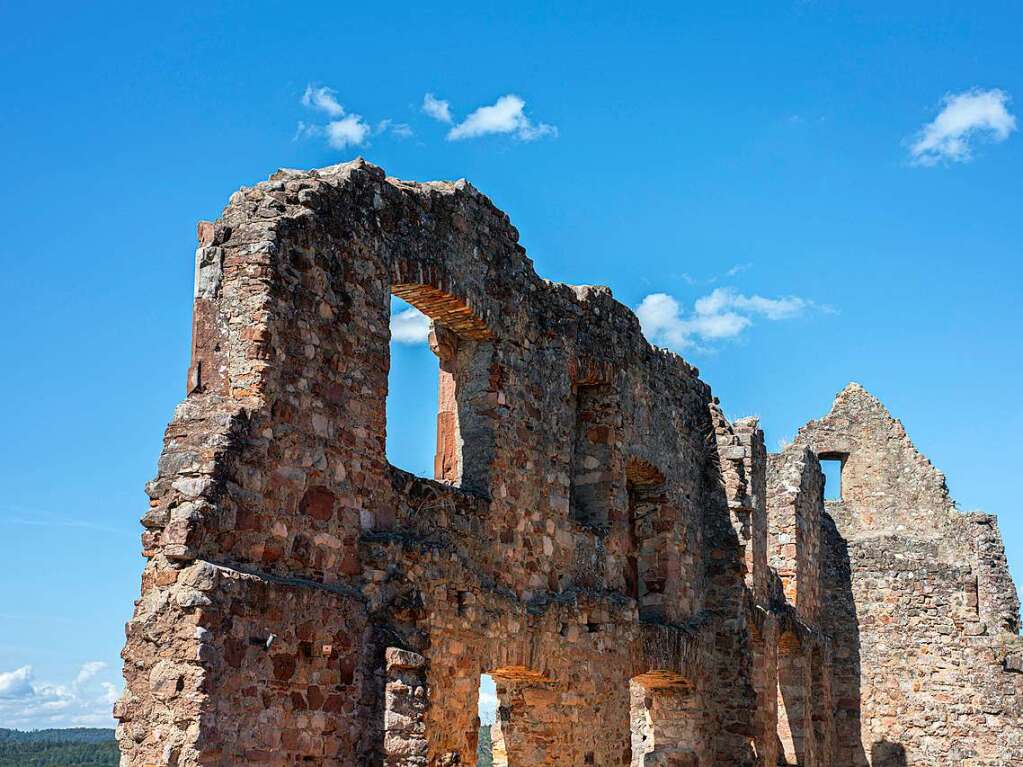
x=919, y=604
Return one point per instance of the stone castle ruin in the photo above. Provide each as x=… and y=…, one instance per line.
x=645, y=584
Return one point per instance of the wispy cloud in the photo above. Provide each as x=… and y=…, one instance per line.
x=89, y=670
x=721, y=314
x=322, y=99
x=505, y=116
x=21, y=515
x=28, y=703
x=409, y=326
x=398, y=130
x=732, y=271
x=436, y=108
x=965, y=118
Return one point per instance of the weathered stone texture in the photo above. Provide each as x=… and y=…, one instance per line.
x=643, y=583
x=919, y=602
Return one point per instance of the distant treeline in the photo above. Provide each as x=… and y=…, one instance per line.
x=485, y=750
x=78, y=747
x=89, y=747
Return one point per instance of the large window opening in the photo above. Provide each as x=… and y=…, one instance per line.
x=440, y=389
x=831, y=466
x=590, y=492
x=412, y=392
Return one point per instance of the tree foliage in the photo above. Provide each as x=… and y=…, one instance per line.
x=79, y=747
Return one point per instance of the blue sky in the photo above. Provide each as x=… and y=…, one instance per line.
x=798, y=195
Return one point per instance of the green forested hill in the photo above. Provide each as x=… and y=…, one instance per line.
x=86, y=747
x=79, y=747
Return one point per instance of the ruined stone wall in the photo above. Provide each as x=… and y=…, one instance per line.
x=803, y=702
x=583, y=534
x=597, y=536
x=795, y=506
x=918, y=601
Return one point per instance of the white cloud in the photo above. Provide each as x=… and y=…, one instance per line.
x=487, y=707
x=721, y=314
x=506, y=115
x=341, y=132
x=723, y=299
x=351, y=130
x=966, y=117
x=17, y=683
x=322, y=99
x=110, y=693
x=410, y=326
x=28, y=704
x=437, y=108
x=89, y=670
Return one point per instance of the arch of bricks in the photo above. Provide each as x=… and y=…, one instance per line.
x=642, y=584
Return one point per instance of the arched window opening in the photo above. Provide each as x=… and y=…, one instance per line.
x=441, y=391
x=664, y=713
x=646, y=571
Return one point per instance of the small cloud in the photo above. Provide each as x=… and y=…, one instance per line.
x=89, y=670
x=28, y=704
x=738, y=269
x=436, y=108
x=722, y=299
x=343, y=131
x=505, y=116
x=968, y=116
x=721, y=314
x=351, y=130
x=322, y=99
x=17, y=683
x=305, y=130
x=410, y=326
x=110, y=693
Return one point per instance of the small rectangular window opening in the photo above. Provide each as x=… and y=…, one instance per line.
x=832, y=469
